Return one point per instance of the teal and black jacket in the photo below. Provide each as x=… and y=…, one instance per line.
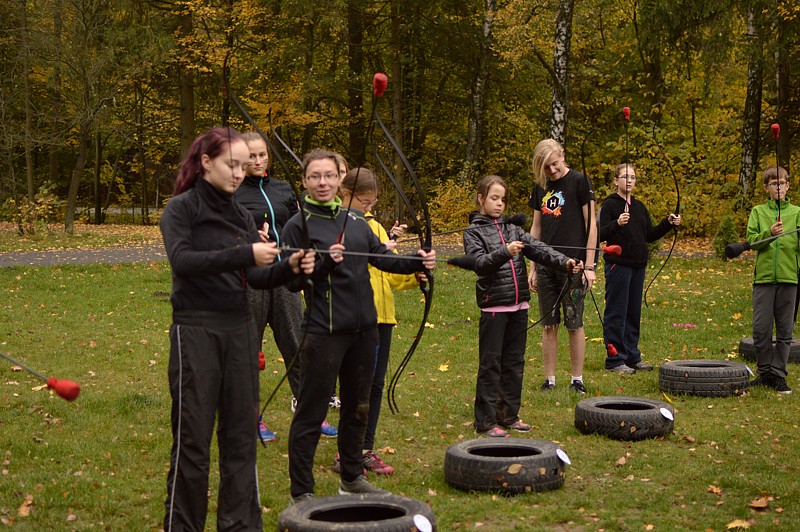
x=777, y=261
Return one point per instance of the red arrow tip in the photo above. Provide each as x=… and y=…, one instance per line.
x=379, y=83
x=626, y=112
x=776, y=130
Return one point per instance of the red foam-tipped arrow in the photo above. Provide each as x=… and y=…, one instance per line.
x=626, y=112
x=776, y=130
x=379, y=83
x=69, y=390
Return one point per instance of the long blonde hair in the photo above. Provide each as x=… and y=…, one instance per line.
x=543, y=151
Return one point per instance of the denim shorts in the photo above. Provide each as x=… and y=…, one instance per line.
x=552, y=286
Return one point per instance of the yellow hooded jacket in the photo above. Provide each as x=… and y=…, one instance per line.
x=383, y=282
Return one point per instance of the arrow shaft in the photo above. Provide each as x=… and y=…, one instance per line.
x=23, y=366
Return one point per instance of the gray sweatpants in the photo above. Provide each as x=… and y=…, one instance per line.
x=283, y=311
x=773, y=303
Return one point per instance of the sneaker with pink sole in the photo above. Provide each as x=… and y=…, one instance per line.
x=373, y=462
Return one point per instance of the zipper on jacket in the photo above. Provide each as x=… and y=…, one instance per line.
x=511, y=261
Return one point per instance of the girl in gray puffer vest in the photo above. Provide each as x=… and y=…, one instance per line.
x=502, y=294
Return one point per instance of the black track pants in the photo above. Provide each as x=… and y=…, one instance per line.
x=213, y=368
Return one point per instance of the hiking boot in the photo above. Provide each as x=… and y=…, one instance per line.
x=373, y=462
x=334, y=402
x=358, y=486
x=578, y=387
x=781, y=386
x=302, y=497
x=622, y=368
x=328, y=430
x=494, y=432
x=519, y=426
x=264, y=434
x=641, y=366
x=547, y=386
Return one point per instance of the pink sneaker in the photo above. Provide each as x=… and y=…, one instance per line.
x=373, y=463
x=495, y=432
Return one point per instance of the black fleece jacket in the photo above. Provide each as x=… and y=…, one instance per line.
x=268, y=200
x=342, y=300
x=503, y=279
x=633, y=236
x=209, y=237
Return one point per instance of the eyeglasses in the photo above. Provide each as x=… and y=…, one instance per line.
x=776, y=184
x=315, y=178
x=367, y=204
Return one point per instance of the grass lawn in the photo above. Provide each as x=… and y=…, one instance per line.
x=100, y=462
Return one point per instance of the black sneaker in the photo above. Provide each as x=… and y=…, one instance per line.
x=302, y=497
x=641, y=366
x=547, y=386
x=781, y=386
x=358, y=486
x=622, y=368
x=578, y=387
x=760, y=381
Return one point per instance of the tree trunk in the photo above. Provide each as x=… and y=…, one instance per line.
x=54, y=164
x=355, y=98
x=480, y=89
x=782, y=81
x=77, y=172
x=98, y=167
x=397, y=100
x=186, y=86
x=560, y=110
x=26, y=83
x=751, y=127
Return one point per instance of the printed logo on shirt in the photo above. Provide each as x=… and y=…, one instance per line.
x=552, y=203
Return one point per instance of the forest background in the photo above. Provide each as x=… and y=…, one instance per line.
x=99, y=98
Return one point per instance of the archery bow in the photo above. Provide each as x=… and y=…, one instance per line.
x=426, y=287
x=677, y=211
x=293, y=181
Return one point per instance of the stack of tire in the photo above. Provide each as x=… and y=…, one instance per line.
x=706, y=378
x=624, y=418
x=505, y=465
x=748, y=351
x=358, y=513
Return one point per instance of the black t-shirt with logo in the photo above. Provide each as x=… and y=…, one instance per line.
x=561, y=209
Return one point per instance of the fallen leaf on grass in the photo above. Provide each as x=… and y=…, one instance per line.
x=762, y=503
x=444, y=367
x=621, y=462
x=715, y=490
x=738, y=523
x=25, y=509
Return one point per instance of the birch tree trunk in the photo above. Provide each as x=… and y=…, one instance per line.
x=480, y=88
x=560, y=109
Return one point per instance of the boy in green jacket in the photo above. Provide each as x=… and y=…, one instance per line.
x=774, y=280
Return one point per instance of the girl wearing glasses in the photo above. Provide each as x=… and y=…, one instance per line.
x=342, y=325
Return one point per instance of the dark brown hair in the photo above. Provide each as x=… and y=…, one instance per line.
x=213, y=143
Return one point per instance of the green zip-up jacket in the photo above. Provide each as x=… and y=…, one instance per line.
x=777, y=261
